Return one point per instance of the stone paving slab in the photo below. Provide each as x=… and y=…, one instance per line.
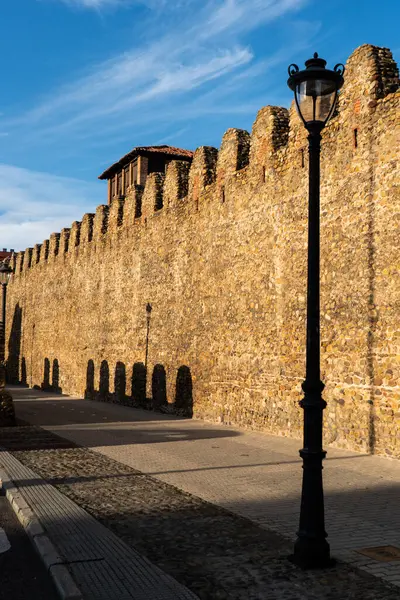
x=102, y=565
x=217, y=554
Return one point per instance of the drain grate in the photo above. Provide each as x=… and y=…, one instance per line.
x=382, y=553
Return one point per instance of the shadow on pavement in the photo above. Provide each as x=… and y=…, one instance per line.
x=104, y=425
x=214, y=552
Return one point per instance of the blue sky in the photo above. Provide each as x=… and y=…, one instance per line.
x=84, y=81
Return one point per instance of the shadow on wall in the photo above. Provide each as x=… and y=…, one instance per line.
x=104, y=383
x=120, y=383
x=159, y=387
x=14, y=347
x=55, y=377
x=89, y=391
x=184, y=392
x=138, y=385
x=54, y=385
x=45, y=385
x=24, y=376
x=183, y=405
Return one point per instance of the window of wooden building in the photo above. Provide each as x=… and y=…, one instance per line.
x=127, y=178
x=134, y=171
x=120, y=191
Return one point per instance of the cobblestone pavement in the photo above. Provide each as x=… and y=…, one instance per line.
x=252, y=474
x=217, y=554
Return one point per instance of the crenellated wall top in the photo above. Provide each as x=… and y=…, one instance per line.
x=370, y=93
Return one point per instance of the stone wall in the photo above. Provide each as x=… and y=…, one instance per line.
x=217, y=256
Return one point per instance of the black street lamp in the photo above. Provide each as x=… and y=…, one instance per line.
x=5, y=273
x=7, y=415
x=316, y=91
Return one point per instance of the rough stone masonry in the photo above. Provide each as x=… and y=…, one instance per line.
x=220, y=255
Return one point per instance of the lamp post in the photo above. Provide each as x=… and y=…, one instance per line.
x=5, y=273
x=149, y=308
x=7, y=416
x=316, y=91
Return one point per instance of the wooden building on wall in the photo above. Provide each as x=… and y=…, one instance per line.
x=133, y=168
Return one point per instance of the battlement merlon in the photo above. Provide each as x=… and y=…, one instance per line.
x=176, y=184
x=74, y=236
x=152, y=199
x=371, y=74
x=233, y=155
x=100, y=222
x=202, y=171
x=270, y=133
x=64, y=240
x=44, y=251
x=54, y=245
x=133, y=205
x=86, y=230
x=28, y=258
x=19, y=262
x=116, y=214
x=36, y=254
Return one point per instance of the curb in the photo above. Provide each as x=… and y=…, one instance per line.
x=66, y=586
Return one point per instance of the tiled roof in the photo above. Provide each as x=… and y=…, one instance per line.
x=4, y=254
x=169, y=150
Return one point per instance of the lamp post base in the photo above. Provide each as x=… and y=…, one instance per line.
x=312, y=554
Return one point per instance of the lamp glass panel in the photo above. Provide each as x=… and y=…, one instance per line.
x=4, y=275
x=5, y=272
x=315, y=98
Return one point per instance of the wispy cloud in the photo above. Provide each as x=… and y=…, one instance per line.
x=92, y=3
x=129, y=80
x=33, y=205
x=201, y=53
x=100, y=4
x=238, y=16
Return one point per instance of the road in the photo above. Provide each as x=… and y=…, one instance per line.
x=23, y=575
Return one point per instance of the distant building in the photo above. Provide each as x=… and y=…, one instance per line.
x=133, y=168
x=6, y=254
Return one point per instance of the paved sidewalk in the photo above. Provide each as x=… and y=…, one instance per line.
x=252, y=474
x=213, y=552
x=103, y=567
